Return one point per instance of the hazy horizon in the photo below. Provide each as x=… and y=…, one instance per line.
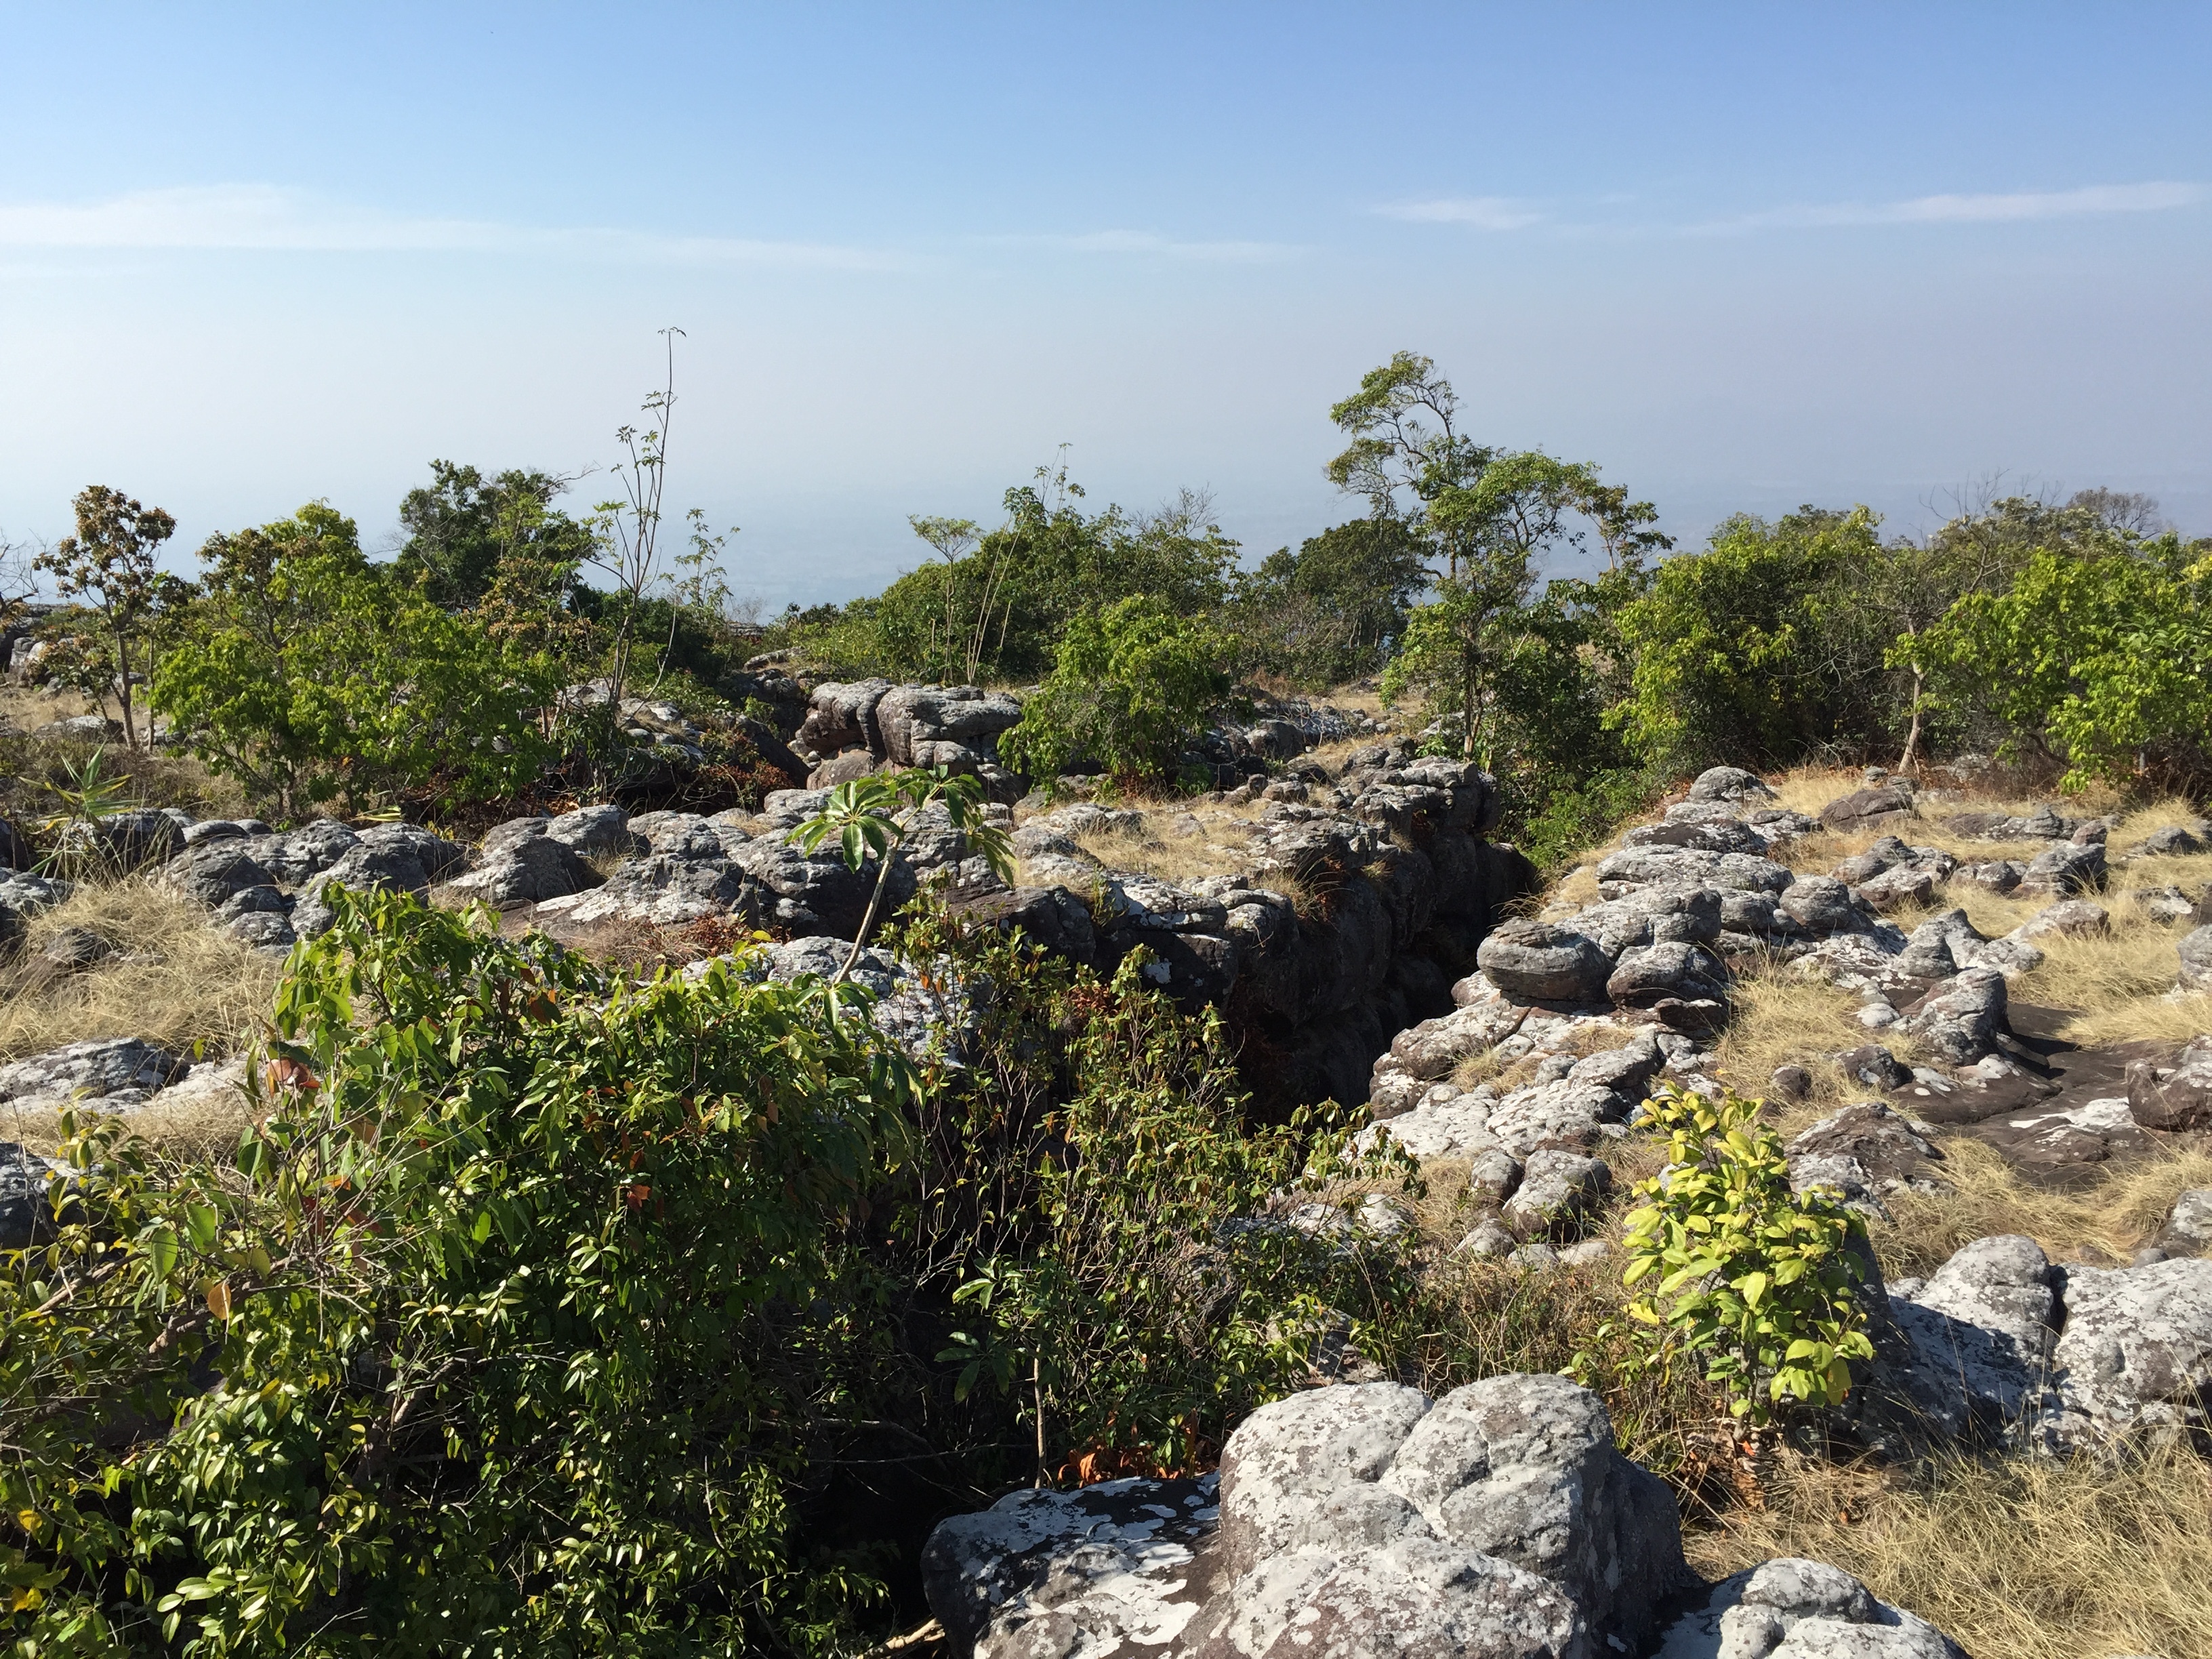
x=1741, y=259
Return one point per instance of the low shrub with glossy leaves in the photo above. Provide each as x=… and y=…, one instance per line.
x=1760, y=1281
x=475, y=1352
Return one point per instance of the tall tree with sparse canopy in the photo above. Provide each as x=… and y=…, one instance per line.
x=110, y=567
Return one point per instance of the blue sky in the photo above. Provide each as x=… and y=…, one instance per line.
x=1741, y=257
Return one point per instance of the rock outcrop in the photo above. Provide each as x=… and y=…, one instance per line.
x=1352, y=1520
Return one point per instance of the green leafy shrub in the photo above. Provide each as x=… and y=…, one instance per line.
x=1759, y=1279
x=483, y=1347
x=1110, y=1234
x=1131, y=687
x=2099, y=657
x=311, y=675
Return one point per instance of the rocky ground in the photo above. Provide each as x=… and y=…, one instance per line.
x=1962, y=1016
x=1983, y=1021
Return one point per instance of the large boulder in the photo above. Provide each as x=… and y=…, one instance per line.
x=528, y=870
x=841, y=717
x=1672, y=969
x=2135, y=1357
x=2173, y=1097
x=1960, y=1018
x=2188, y=1229
x=380, y=861
x=1728, y=783
x=1790, y=1608
x=293, y=860
x=1878, y=807
x=1544, y=962
x=2065, y=869
x=1985, y=1324
x=212, y=872
x=1822, y=904
x=1043, y=1572
x=127, y=840
x=2194, y=950
x=111, y=1075
x=1516, y=1470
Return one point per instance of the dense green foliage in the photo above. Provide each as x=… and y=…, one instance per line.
x=996, y=606
x=1131, y=684
x=1760, y=1281
x=1333, y=610
x=2103, y=659
x=552, y=1311
x=312, y=675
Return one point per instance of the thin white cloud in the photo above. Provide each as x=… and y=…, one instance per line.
x=1483, y=212
x=266, y=218
x=1144, y=243
x=2157, y=196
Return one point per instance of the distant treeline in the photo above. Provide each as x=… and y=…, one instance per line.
x=2071, y=637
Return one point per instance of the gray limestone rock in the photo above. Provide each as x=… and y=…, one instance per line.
x=2188, y=1230
x=1414, y=1599
x=526, y=871
x=2066, y=919
x=1729, y=783
x=2194, y=950
x=1558, y=1189
x=1792, y=1608
x=1044, y=1571
x=1287, y=1458
x=1983, y=1325
x=1960, y=1018
x=1822, y=904
x=1544, y=962
x=2177, y=1096
x=2065, y=869
x=1675, y=969
x=2135, y=1357
x=210, y=872
x=1524, y=1469
x=112, y=1075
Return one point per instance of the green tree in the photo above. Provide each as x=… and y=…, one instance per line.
x=1330, y=612
x=2102, y=660
x=311, y=675
x=1733, y=645
x=1403, y=462
x=1132, y=685
x=110, y=566
x=464, y=528
x=999, y=608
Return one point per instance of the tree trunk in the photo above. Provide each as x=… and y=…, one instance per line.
x=1910, y=760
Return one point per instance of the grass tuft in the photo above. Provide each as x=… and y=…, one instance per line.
x=2014, y=1559
x=175, y=979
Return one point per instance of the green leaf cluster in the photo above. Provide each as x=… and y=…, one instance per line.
x=1761, y=1281
x=312, y=676
x=1131, y=685
x=482, y=1348
x=2102, y=658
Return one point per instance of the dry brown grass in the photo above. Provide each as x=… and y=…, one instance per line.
x=2025, y=1558
x=175, y=980
x=1165, y=856
x=2108, y=1221
x=1783, y=1017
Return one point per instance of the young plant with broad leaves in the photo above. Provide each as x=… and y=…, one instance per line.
x=1761, y=1281
x=873, y=816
